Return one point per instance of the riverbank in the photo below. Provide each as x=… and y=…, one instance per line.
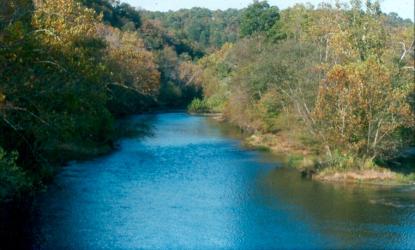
x=309, y=162
x=63, y=154
x=300, y=152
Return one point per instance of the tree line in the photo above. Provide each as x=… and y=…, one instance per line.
x=205, y=29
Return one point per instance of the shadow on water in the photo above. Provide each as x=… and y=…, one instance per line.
x=359, y=216
x=136, y=127
x=18, y=219
x=15, y=226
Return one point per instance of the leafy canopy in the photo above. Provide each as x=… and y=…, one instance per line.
x=258, y=17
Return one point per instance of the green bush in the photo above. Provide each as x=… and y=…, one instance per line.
x=216, y=103
x=199, y=106
x=295, y=160
x=348, y=161
x=13, y=180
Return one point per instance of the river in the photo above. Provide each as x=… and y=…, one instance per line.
x=189, y=184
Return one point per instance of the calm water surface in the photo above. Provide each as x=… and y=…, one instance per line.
x=190, y=185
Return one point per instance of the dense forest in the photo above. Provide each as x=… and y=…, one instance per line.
x=205, y=29
x=336, y=80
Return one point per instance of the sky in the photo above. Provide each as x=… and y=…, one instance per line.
x=405, y=8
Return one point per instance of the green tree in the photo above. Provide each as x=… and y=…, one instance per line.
x=258, y=17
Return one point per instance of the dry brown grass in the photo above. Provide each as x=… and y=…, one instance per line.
x=364, y=175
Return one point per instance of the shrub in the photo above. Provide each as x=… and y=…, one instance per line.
x=13, y=180
x=199, y=106
x=347, y=161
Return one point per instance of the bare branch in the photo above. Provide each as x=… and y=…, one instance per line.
x=53, y=63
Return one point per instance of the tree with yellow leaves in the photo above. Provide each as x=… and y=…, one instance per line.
x=360, y=111
x=131, y=65
x=362, y=103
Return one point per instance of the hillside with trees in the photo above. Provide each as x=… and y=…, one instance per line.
x=206, y=29
x=330, y=86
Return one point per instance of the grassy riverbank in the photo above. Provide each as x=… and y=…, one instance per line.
x=298, y=153
x=298, y=150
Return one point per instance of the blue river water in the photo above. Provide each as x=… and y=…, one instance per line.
x=189, y=184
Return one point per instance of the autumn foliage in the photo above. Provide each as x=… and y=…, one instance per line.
x=66, y=71
x=344, y=73
x=359, y=109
